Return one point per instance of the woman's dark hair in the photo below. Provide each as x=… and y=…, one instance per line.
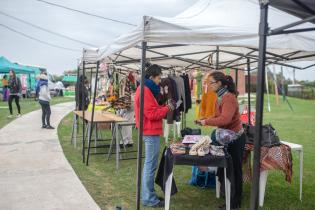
x=5, y=76
x=226, y=80
x=153, y=71
x=13, y=72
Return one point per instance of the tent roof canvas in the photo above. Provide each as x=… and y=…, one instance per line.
x=6, y=66
x=231, y=25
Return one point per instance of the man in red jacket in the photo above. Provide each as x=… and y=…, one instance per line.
x=153, y=114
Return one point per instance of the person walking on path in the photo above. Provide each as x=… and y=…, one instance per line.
x=5, y=84
x=15, y=88
x=44, y=99
x=153, y=114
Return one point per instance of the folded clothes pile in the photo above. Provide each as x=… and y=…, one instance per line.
x=217, y=150
x=179, y=149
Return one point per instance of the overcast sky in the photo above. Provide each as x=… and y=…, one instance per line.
x=78, y=26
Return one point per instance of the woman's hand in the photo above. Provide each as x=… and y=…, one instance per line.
x=201, y=122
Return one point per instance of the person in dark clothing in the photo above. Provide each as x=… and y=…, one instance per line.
x=15, y=88
x=82, y=93
x=227, y=116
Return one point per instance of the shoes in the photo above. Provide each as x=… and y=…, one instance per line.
x=203, y=143
x=44, y=126
x=160, y=204
x=160, y=198
x=49, y=127
x=204, y=150
x=217, y=150
x=129, y=145
x=10, y=116
x=18, y=115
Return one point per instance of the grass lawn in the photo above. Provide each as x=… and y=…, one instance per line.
x=111, y=188
x=27, y=105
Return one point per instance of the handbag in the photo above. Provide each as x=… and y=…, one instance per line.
x=269, y=135
x=190, y=131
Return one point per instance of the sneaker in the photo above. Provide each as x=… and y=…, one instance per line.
x=10, y=116
x=18, y=115
x=160, y=204
x=44, y=126
x=204, y=141
x=129, y=145
x=49, y=127
x=204, y=150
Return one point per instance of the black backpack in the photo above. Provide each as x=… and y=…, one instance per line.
x=270, y=137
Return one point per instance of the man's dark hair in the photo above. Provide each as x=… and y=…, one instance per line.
x=153, y=71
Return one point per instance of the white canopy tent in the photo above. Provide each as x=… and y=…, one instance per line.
x=190, y=39
x=214, y=34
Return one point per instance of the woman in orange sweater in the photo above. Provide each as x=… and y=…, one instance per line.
x=227, y=116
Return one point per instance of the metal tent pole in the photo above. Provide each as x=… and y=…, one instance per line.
x=217, y=59
x=83, y=112
x=140, y=131
x=263, y=30
x=91, y=75
x=248, y=89
x=78, y=72
x=92, y=117
x=236, y=79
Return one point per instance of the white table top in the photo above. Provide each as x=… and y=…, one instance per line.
x=293, y=146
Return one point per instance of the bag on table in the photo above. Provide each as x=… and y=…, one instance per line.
x=189, y=131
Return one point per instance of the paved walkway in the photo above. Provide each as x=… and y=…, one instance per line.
x=34, y=173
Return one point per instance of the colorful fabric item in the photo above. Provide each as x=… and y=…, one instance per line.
x=199, y=83
x=207, y=106
x=224, y=136
x=273, y=158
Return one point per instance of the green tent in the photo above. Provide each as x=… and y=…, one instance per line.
x=69, y=78
x=6, y=66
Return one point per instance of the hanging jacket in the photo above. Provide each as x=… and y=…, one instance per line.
x=188, y=100
x=169, y=92
x=153, y=113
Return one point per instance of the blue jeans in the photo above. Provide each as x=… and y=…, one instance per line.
x=152, y=148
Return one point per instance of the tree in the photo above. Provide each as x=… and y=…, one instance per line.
x=57, y=77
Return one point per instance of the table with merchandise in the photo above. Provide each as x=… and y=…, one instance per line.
x=195, y=151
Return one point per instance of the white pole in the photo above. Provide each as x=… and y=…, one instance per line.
x=267, y=87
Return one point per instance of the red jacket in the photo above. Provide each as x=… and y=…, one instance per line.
x=153, y=113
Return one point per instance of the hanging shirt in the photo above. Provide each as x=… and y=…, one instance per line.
x=199, y=83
